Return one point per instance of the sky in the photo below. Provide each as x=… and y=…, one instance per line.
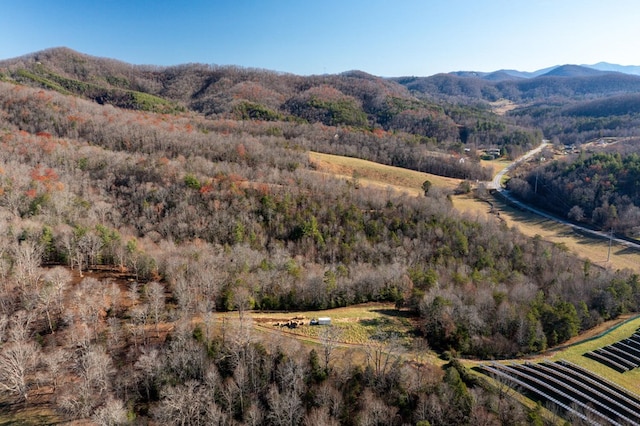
x=387, y=38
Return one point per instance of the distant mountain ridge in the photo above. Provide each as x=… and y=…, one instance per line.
x=625, y=69
x=567, y=70
x=575, y=82
x=353, y=98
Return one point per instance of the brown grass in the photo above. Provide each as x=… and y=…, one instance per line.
x=356, y=323
x=379, y=175
x=495, y=165
x=502, y=106
x=582, y=245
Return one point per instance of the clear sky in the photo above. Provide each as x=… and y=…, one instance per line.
x=381, y=37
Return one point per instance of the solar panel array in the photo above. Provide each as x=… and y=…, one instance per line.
x=621, y=356
x=573, y=390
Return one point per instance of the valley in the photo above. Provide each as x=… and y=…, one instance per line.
x=168, y=234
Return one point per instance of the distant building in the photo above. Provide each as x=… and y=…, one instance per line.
x=493, y=153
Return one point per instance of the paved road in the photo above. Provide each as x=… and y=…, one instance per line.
x=496, y=184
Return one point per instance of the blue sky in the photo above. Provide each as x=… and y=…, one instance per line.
x=381, y=37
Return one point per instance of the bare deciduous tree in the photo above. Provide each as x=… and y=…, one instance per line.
x=383, y=350
x=320, y=417
x=147, y=369
x=27, y=256
x=182, y=405
x=59, y=278
x=285, y=409
x=54, y=362
x=375, y=411
x=90, y=303
x=111, y=413
x=139, y=315
x=95, y=369
x=155, y=297
x=329, y=336
x=17, y=360
x=254, y=415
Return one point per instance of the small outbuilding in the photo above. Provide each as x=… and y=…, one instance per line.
x=324, y=321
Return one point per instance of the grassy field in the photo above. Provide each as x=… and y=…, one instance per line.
x=375, y=174
x=582, y=245
x=355, y=324
x=575, y=354
x=495, y=165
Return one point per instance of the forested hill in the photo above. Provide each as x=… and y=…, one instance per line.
x=384, y=121
x=352, y=98
x=562, y=83
x=568, y=104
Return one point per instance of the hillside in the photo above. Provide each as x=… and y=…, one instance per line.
x=598, y=188
x=570, y=105
x=567, y=82
x=351, y=100
x=128, y=233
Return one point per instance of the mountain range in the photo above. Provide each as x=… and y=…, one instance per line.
x=354, y=98
x=567, y=70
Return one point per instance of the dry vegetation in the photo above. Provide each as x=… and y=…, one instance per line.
x=380, y=175
x=140, y=252
x=355, y=325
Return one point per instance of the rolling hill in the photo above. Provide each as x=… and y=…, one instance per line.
x=139, y=205
x=570, y=82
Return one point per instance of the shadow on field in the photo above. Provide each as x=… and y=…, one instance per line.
x=520, y=215
x=626, y=250
x=394, y=313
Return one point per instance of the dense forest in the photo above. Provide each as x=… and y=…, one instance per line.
x=207, y=212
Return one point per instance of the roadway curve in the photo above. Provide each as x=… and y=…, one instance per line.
x=496, y=184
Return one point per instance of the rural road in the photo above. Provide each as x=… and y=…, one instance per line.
x=496, y=184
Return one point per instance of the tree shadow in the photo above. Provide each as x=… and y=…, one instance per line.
x=627, y=250
x=396, y=313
